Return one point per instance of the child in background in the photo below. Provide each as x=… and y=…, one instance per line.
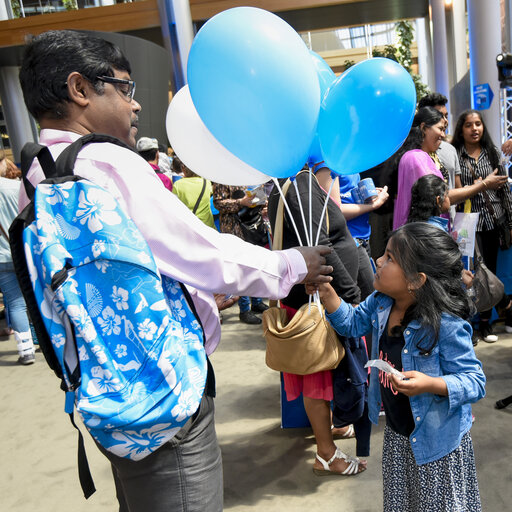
x=429, y=199
x=418, y=315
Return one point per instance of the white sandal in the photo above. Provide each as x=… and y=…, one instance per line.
x=352, y=468
x=348, y=434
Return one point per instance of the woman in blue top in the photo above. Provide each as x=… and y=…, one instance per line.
x=418, y=315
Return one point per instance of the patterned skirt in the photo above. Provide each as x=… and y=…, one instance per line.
x=445, y=485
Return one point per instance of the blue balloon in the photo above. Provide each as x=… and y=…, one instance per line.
x=366, y=115
x=326, y=77
x=254, y=85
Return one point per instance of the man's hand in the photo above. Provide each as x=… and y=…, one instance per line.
x=495, y=180
x=315, y=260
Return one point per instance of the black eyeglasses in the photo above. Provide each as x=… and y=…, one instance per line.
x=127, y=87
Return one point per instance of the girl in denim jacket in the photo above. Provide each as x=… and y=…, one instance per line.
x=418, y=315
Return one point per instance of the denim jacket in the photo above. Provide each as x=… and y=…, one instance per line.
x=440, y=421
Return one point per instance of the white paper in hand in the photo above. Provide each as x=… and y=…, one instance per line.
x=384, y=366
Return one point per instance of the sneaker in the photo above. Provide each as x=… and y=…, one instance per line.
x=248, y=317
x=26, y=359
x=508, y=320
x=261, y=306
x=486, y=333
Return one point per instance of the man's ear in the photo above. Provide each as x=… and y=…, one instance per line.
x=79, y=89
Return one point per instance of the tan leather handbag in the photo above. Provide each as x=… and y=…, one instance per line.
x=307, y=343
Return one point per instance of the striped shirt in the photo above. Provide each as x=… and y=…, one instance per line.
x=500, y=200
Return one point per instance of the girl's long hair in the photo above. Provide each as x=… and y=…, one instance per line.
x=485, y=142
x=424, y=194
x=421, y=247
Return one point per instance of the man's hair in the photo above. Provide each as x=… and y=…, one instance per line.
x=50, y=58
x=433, y=99
x=149, y=155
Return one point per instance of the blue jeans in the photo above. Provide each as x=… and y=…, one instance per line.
x=184, y=475
x=244, y=303
x=15, y=303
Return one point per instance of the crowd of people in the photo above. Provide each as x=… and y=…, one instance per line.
x=410, y=307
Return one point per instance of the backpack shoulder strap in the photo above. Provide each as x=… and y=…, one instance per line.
x=66, y=160
x=30, y=151
x=200, y=197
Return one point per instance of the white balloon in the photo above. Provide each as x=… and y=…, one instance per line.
x=200, y=151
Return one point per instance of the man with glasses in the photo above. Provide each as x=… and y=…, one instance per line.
x=75, y=84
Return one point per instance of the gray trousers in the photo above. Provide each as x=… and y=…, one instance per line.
x=184, y=475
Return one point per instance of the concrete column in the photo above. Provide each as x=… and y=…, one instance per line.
x=20, y=125
x=458, y=22
x=178, y=34
x=5, y=11
x=424, y=42
x=440, y=47
x=484, y=46
x=508, y=28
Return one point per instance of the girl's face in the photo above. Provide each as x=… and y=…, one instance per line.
x=433, y=136
x=472, y=129
x=390, y=278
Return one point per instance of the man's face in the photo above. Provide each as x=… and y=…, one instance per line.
x=113, y=112
x=444, y=111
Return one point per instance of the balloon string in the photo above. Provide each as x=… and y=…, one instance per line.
x=310, y=226
x=323, y=212
x=276, y=183
x=317, y=295
x=302, y=212
x=310, y=208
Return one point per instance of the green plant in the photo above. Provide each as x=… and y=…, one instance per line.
x=401, y=53
x=348, y=63
x=16, y=8
x=70, y=5
x=389, y=52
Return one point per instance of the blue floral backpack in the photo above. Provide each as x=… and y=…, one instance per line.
x=124, y=339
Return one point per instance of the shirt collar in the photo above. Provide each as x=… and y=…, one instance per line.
x=49, y=136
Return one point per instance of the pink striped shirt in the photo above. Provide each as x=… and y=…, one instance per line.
x=183, y=247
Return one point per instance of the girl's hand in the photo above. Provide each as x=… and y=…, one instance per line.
x=418, y=383
x=467, y=277
x=328, y=296
x=311, y=289
x=323, y=289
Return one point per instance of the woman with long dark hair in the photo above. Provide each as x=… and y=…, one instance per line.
x=479, y=158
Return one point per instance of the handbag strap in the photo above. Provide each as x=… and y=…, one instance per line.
x=2, y=230
x=194, y=210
